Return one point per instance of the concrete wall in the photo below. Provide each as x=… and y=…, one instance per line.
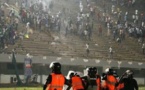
x=7, y=78
x=42, y=79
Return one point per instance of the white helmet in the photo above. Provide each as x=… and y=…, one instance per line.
x=52, y=64
x=79, y=73
x=107, y=70
x=129, y=72
x=69, y=73
x=86, y=71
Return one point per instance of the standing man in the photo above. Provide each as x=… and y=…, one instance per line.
x=109, y=80
x=87, y=49
x=1, y=38
x=56, y=80
x=129, y=82
x=98, y=78
x=92, y=79
x=110, y=52
x=143, y=48
x=28, y=68
x=100, y=30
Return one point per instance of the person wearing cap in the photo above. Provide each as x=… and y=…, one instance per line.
x=76, y=82
x=56, y=80
x=128, y=81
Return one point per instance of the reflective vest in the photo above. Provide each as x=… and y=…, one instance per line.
x=77, y=83
x=57, y=82
x=98, y=82
x=110, y=82
x=120, y=86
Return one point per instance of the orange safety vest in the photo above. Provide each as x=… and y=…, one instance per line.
x=110, y=82
x=104, y=85
x=57, y=82
x=98, y=82
x=120, y=86
x=77, y=83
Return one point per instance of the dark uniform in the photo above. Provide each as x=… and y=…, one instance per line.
x=92, y=79
x=129, y=82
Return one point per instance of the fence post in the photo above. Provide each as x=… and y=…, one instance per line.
x=0, y=73
x=0, y=78
x=144, y=81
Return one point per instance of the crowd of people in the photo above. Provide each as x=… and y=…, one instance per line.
x=92, y=80
x=31, y=14
x=122, y=20
x=39, y=16
x=8, y=27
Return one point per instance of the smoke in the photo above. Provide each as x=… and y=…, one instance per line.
x=45, y=3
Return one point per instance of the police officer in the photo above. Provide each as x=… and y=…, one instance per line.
x=129, y=82
x=55, y=80
x=98, y=78
x=92, y=78
x=76, y=82
x=88, y=79
x=109, y=80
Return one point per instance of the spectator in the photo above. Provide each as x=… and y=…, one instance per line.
x=143, y=48
x=100, y=30
x=87, y=49
x=28, y=68
x=118, y=40
x=110, y=52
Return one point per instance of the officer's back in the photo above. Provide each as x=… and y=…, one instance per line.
x=55, y=80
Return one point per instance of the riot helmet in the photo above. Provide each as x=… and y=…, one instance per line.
x=51, y=64
x=95, y=70
x=56, y=67
x=70, y=74
x=129, y=73
x=109, y=71
x=92, y=72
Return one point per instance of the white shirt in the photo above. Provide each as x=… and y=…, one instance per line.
x=143, y=45
x=136, y=12
x=133, y=16
x=85, y=32
x=110, y=49
x=142, y=24
x=87, y=46
x=136, y=17
x=27, y=25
